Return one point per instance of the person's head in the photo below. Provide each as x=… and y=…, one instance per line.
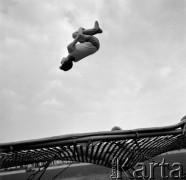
x=183, y=118
x=66, y=63
x=116, y=128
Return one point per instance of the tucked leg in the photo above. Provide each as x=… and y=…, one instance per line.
x=92, y=31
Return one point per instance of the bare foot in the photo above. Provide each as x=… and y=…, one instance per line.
x=96, y=26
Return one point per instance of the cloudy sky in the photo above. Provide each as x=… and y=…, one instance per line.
x=136, y=79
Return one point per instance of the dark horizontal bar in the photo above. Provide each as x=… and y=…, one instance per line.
x=80, y=135
x=52, y=142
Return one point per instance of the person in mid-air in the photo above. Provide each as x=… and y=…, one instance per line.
x=88, y=44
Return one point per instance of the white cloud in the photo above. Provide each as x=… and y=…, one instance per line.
x=166, y=71
x=52, y=104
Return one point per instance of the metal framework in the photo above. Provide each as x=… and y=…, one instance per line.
x=129, y=146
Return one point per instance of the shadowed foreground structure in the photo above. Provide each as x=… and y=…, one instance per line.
x=129, y=146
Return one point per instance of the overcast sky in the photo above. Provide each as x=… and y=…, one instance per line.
x=136, y=79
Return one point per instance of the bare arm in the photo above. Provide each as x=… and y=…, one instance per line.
x=79, y=38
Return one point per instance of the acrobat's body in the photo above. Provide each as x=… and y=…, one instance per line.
x=88, y=44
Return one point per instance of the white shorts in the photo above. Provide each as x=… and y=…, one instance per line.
x=83, y=50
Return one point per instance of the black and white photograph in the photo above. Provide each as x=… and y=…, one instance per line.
x=92, y=90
